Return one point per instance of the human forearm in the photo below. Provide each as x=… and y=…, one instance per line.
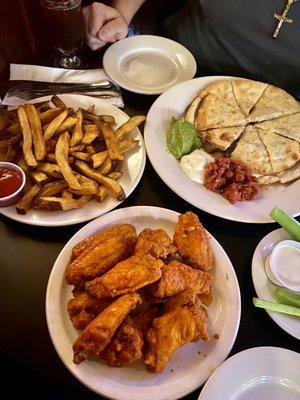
x=127, y=8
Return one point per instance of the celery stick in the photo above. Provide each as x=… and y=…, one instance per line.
x=287, y=297
x=282, y=308
x=290, y=224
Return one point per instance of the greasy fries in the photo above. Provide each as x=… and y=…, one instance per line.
x=69, y=156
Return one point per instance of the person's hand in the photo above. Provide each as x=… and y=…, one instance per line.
x=103, y=25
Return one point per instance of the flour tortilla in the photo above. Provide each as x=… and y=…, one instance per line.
x=274, y=103
x=290, y=174
x=288, y=126
x=284, y=153
x=222, y=137
x=251, y=150
x=193, y=107
x=247, y=93
x=264, y=180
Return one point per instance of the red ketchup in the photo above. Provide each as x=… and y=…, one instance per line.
x=10, y=181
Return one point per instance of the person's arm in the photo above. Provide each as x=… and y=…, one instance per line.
x=106, y=24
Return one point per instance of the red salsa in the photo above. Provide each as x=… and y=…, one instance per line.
x=10, y=181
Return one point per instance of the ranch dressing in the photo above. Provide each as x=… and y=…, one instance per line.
x=193, y=165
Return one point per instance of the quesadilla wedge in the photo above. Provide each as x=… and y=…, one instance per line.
x=251, y=150
x=264, y=180
x=288, y=126
x=290, y=174
x=247, y=93
x=284, y=153
x=274, y=103
x=222, y=138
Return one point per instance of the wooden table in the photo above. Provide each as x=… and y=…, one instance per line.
x=29, y=362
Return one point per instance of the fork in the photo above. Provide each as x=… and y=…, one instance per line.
x=31, y=89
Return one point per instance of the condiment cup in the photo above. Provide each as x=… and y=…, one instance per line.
x=283, y=265
x=14, y=197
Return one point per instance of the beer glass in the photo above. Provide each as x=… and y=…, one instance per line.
x=65, y=22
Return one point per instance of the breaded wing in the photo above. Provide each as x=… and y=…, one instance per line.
x=96, y=336
x=83, y=308
x=126, y=277
x=127, y=344
x=172, y=330
x=100, y=236
x=192, y=242
x=178, y=277
x=101, y=256
x=155, y=242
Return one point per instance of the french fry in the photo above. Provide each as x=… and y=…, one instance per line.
x=111, y=142
x=132, y=123
x=101, y=194
x=90, y=133
x=107, y=118
x=67, y=125
x=57, y=101
x=42, y=106
x=113, y=186
x=27, y=137
x=39, y=176
x=9, y=142
x=99, y=158
x=56, y=204
x=88, y=188
x=127, y=144
x=80, y=155
x=24, y=204
x=39, y=146
x=84, y=199
x=54, y=125
x=90, y=150
x=47, y=116
x=106, y=166
x=80, y=147
x=49, y=169
x=61, y=154
x=15, y=128
x=66, y=194
x=115, y=175
x=53, y=188
x=77, y=134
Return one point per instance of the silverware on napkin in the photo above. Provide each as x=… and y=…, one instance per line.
x=31, y=89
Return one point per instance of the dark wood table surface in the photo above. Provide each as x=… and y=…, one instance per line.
x=29, y=362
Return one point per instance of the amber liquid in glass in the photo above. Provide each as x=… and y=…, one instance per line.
x=67, y=28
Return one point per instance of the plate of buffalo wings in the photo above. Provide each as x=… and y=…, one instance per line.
x=143, y=299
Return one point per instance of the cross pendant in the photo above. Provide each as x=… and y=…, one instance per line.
x=283, y=18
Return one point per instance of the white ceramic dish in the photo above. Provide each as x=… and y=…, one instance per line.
x=173, y=103
x=191, y=365
x=148, y=64
x=264, y=287
x=256, y=374
x=132, y=167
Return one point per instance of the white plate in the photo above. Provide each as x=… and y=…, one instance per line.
x=256, y=374
x=173, y=103
x=148, y=64
x=264, y=287
x=132, y=168
x=189, y=368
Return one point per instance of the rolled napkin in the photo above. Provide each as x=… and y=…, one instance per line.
x=49, y=74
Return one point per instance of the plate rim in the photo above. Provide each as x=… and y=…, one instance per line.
x=37, y=222
x=135, y=210
x=150, y=92
x=240, y=355
x=176, y=190
x=276, y=317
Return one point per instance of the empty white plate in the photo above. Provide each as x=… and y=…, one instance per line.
x=148, y=64
x=256, y=374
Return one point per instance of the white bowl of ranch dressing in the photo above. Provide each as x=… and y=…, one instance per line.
x=283, y=265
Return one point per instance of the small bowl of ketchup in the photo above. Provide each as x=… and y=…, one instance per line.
x=12, y=181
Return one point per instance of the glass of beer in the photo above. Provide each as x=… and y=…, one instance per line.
x=65, y=21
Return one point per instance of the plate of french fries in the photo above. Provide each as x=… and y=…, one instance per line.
x=82, y=157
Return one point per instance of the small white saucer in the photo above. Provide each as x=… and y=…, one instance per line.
x=148, y=64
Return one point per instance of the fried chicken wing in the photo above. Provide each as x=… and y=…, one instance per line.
x=126, y=277
x=96, y=336
x=155, y=242
x=102, y=255
x=101, y=236
x=177, y=278
x=192, y=242
x=126, y=346
x=83, y=308
x=169, y=332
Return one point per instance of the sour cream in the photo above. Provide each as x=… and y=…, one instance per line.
x=193, y=165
